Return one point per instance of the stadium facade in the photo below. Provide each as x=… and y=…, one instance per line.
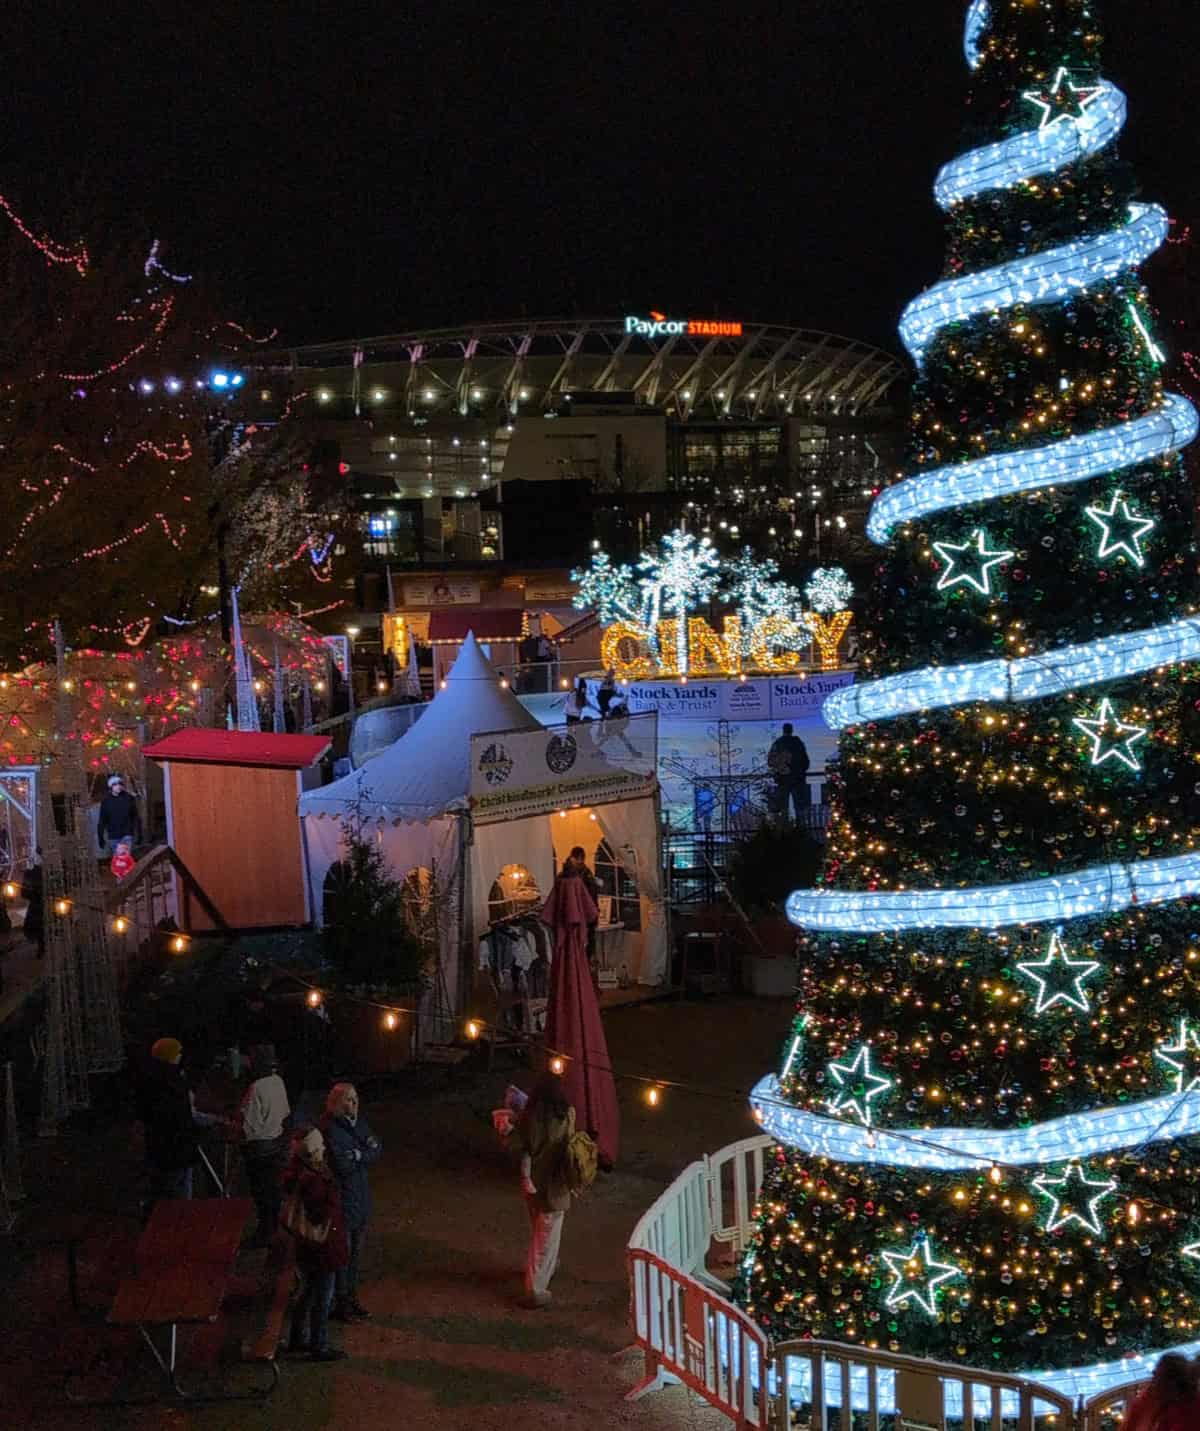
x=453, y=435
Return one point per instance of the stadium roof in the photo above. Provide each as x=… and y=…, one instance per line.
x=762, y=373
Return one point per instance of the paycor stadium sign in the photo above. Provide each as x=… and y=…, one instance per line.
x=658, y=325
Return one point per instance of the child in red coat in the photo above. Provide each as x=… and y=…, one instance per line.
x=309, y=1182
x=122, y=861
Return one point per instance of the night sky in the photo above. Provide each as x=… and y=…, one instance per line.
x=352, y=169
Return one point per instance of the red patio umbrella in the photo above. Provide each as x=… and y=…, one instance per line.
x=573, y=1026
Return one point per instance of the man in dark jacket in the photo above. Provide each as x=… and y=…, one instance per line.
x=788, y=761
x=119, y=817
x=169, y=1121
x=351, y=1148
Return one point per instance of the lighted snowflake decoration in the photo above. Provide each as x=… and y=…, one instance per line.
x=829, y=589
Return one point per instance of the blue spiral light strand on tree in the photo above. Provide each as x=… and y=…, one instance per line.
x=988, y=1112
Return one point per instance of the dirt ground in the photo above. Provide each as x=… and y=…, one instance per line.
x=447, y=1346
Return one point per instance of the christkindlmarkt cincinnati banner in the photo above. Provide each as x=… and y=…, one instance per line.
x=519, y=773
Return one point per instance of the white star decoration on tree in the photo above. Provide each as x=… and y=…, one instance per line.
x=858, y=1086
x=1120, y=532
x=1121, y=746
x=1183, y=1057
x=1063, y=1211
x=918, y=1276
x=1064, y=100
x=1192, y=1251
x=1060, y=976
x=958, y=570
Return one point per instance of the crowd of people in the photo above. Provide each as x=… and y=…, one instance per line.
x=309, y=1182
x=310, y=1179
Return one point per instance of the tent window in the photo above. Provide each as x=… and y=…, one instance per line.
x=514, y=891
x=420, y=911
x=620, y=881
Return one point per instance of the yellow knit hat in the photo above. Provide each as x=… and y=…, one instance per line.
x=167, y=1050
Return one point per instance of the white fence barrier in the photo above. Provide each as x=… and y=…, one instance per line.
x=691, y=1333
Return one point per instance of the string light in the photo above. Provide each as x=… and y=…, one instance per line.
x=313, y=998
x=1045, y=277
x=1068, y=668
x=1170, y=426
x=1029, y=154
x=1102, y=889
x=120, y=924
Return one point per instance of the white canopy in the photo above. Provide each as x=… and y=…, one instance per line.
x=427, y=771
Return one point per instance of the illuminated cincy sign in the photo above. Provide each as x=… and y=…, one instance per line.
x=658, y=325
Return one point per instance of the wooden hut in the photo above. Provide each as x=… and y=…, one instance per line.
x=231, y=799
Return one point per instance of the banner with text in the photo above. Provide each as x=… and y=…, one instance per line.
x=776, y=698
x=440, y=591
x=519, y=773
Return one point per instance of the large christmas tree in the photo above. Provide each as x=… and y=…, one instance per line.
x=987, y=1117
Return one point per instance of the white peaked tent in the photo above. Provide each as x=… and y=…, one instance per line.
x=415, y=797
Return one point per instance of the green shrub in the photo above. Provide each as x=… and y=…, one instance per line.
x=765, y=867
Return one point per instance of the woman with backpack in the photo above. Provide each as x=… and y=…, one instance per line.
x=542, y=1137
x=312, y=1214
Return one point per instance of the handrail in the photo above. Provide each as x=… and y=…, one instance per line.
x=1107, y=1403
x=121, y=892
x=917, y=1388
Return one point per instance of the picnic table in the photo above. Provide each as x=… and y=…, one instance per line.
x=182, y=1270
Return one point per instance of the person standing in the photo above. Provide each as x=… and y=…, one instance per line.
x=542, y=1133
x=788, y=761
x=607, y=692
x=352, y=1149
x=119, y=816
x=576, y=865
x=1172, y=1400
x=169, y=1122
x=259, y=1124
x=313, y=1192
x=576, y=702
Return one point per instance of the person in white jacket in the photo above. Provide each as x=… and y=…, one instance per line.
x=261, y=1116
